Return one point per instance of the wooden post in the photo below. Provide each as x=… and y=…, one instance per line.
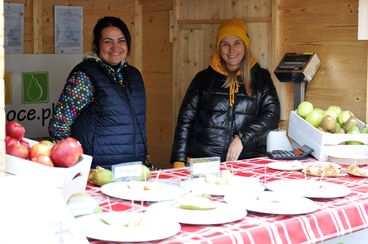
x=2, y=95
x=137, y=35
x=37, y=27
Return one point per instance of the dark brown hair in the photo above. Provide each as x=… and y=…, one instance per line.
x=107, y=22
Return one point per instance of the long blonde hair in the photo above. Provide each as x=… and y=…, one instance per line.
x=243, y=71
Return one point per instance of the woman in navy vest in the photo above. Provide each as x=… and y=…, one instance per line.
x=103, y=103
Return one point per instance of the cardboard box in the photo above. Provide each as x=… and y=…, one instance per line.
x=324, y=143
x=69, y=180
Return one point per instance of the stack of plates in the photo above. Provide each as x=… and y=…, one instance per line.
x=348, y=158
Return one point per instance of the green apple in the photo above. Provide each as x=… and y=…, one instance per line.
x=352, y=121
x=102, y=176
x=335, y=108
x=364, y=130
x=145, y=174
x=339, y=129
x=328, y=123
x=344, y=116
x=304, y=108
x=353, y=130
x=315, y=117
x=330, y=112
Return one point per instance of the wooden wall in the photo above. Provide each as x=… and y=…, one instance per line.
x=157, y=72
x=329, y=28
x=173, y=39
x=195, y=25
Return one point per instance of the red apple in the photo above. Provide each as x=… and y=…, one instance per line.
x=47, y=142
x=15, y=130
x=18, y=150
x=10, y=140
x=66, y=153
x=25, y=143
x=40, y=149
x=43, y=159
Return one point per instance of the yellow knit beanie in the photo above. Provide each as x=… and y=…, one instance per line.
x=232, y=27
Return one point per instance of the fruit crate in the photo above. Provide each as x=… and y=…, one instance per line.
x=324, y=143
x=69, y=180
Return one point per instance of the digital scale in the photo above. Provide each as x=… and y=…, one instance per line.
x=300, y=69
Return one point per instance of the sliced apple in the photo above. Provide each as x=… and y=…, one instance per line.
x=195, y=203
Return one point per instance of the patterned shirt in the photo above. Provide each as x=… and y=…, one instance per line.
x=77, y=94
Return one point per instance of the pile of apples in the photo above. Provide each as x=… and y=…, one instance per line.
x=64, y=153
x=332, y=120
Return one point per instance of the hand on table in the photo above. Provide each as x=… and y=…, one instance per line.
x=235, y=149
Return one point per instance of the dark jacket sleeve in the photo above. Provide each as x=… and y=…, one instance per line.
x=186, y=117
x=268, y=115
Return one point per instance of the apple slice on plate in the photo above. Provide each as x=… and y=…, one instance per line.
x=195, y=202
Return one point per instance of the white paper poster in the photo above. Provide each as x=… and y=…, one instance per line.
x=14, y=27
x=68, y=29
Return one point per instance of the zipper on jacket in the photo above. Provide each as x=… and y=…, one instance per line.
x=230, y=116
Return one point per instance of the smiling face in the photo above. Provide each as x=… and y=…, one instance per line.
x=113, y=45
x=232, y=50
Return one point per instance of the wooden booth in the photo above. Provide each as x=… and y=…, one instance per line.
x=174, y=39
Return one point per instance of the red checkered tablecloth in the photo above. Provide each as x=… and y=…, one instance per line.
x=336, y=217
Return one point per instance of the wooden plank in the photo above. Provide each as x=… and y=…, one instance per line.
x=219, y=21
x=363, y=20
x=157, y=73
x=312, y=26
x=156, y=5
x=37, y=26
x=137, y=32
x=276, y=57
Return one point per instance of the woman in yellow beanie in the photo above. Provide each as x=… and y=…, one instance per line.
x=229, y=106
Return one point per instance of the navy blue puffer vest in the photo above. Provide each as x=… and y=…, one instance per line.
x=107, y=129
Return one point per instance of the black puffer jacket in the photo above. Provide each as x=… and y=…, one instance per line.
x=206, y=121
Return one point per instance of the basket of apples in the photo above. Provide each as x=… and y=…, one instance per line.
x=62, y=164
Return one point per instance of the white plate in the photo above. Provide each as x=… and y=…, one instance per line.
x=348, y=158
x=149, y=191
x=222, y=214
x=273, y=203
x=153, y=229
x=199, y=185
x=286, y=165
x=309, y=188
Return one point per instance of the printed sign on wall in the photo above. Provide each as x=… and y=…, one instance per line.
x=35, y=87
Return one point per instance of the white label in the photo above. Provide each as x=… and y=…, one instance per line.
x=127, y=170
x=204, y=168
